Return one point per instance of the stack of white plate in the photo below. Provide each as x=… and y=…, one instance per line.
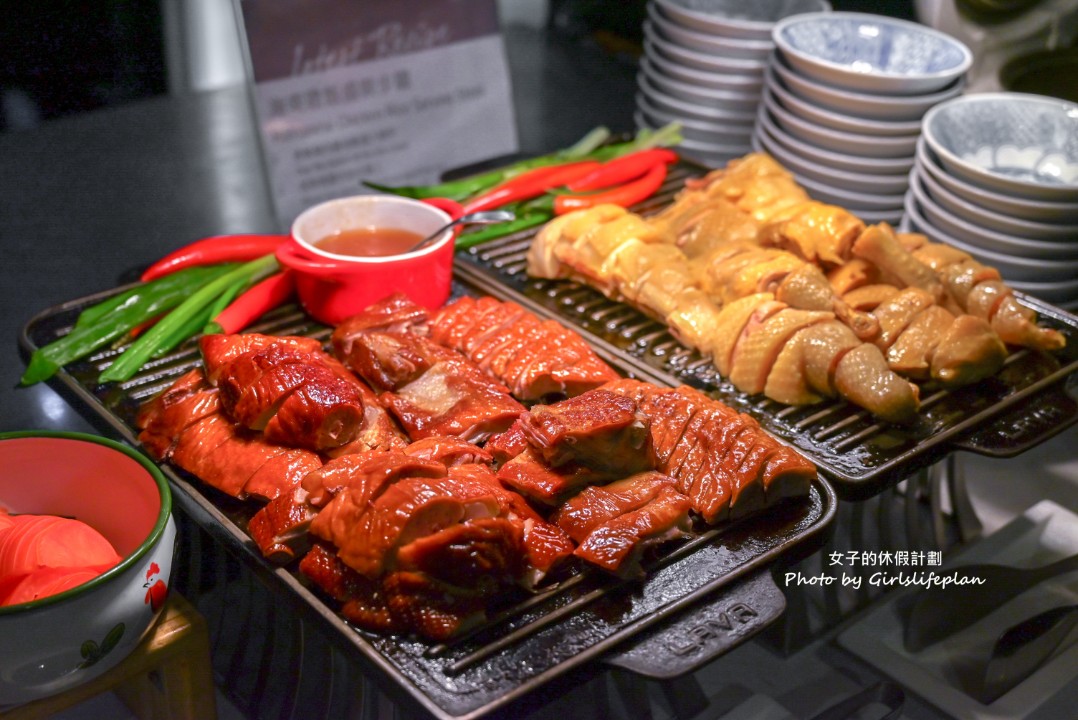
x=703, y=67
x=844, y=94
x=996, y=175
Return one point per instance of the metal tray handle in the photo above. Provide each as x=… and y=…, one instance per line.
x=702, y=633
x=1029, y=423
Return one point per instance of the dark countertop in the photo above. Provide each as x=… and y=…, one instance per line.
x=89, y=199
x=86, y=201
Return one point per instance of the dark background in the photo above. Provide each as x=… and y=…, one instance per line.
x=61, y=57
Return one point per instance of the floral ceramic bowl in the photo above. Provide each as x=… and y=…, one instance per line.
x=986, y=237
x=987, y=217
x=864, y=182
x=54, y=643
x=700, y=60
x=857, y=103
x=1015, y=143
x=854, y=143
x=871, y=53
x=894, y=167
x=737, y=18
x=834, y=119
x=1011, y=267
x=707, y=42
x=1045, y=211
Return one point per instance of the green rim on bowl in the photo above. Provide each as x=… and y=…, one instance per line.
x=140, y=552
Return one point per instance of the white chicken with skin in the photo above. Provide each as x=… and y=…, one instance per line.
x=796, y=299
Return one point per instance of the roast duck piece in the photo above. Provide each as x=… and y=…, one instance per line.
x=438, y=463
x=797, y=299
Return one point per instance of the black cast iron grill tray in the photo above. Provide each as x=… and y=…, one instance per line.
x=1030, y=400
x=698, y=599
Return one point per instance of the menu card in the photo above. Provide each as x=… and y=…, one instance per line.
x=394, y=91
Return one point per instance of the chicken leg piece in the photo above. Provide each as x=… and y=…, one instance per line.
x=1016, y=324
x=827, y=360
x=879, y=245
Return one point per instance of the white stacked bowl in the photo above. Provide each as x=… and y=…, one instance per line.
x=842, y=102
x=996, y=175
x=703, y=67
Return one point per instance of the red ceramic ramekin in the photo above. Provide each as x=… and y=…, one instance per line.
x=333, y=287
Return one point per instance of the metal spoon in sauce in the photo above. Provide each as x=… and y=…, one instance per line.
x=485, y=217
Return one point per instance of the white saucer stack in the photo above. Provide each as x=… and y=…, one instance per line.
x=703, y=67
x=843, y=97
x=996, y=175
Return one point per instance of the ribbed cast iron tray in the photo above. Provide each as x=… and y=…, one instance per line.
x=699, y=599
x=1031, y=399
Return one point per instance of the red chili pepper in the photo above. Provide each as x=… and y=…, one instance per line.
x=624, y=195
x=142, y=327
x=530, y=184
x=256, y=301
x=623, y=169
x=215, y=249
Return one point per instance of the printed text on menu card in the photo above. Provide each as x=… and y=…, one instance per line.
x=395, y=91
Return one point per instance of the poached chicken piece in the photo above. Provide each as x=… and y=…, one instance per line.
x=921, y=311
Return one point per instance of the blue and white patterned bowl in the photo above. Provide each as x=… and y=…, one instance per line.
x=1021, y=208
x=871, y=53
x=861, y=104
x=706, y=42
x=1015, y=143
x=737, y=18
x=1011, y=267
x=854, y=143
x=833, y=118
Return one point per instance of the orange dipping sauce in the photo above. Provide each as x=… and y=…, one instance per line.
x=369, y=242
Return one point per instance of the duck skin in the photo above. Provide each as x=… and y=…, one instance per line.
x=531, y=476
x=404, y=603
x=532, y=357
x=425, y=556
x=599, y=429
x=691, y=438
x=368, y=535
x=279, y=529
x=162, y=419
x=430, y=389
x=185, y=425
x=546, y=546
x=378, y=431
x=226, y=458
x=597, y=504
x=618, y=544
x=393, y=314
x=219, y=350
x=292, y=394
